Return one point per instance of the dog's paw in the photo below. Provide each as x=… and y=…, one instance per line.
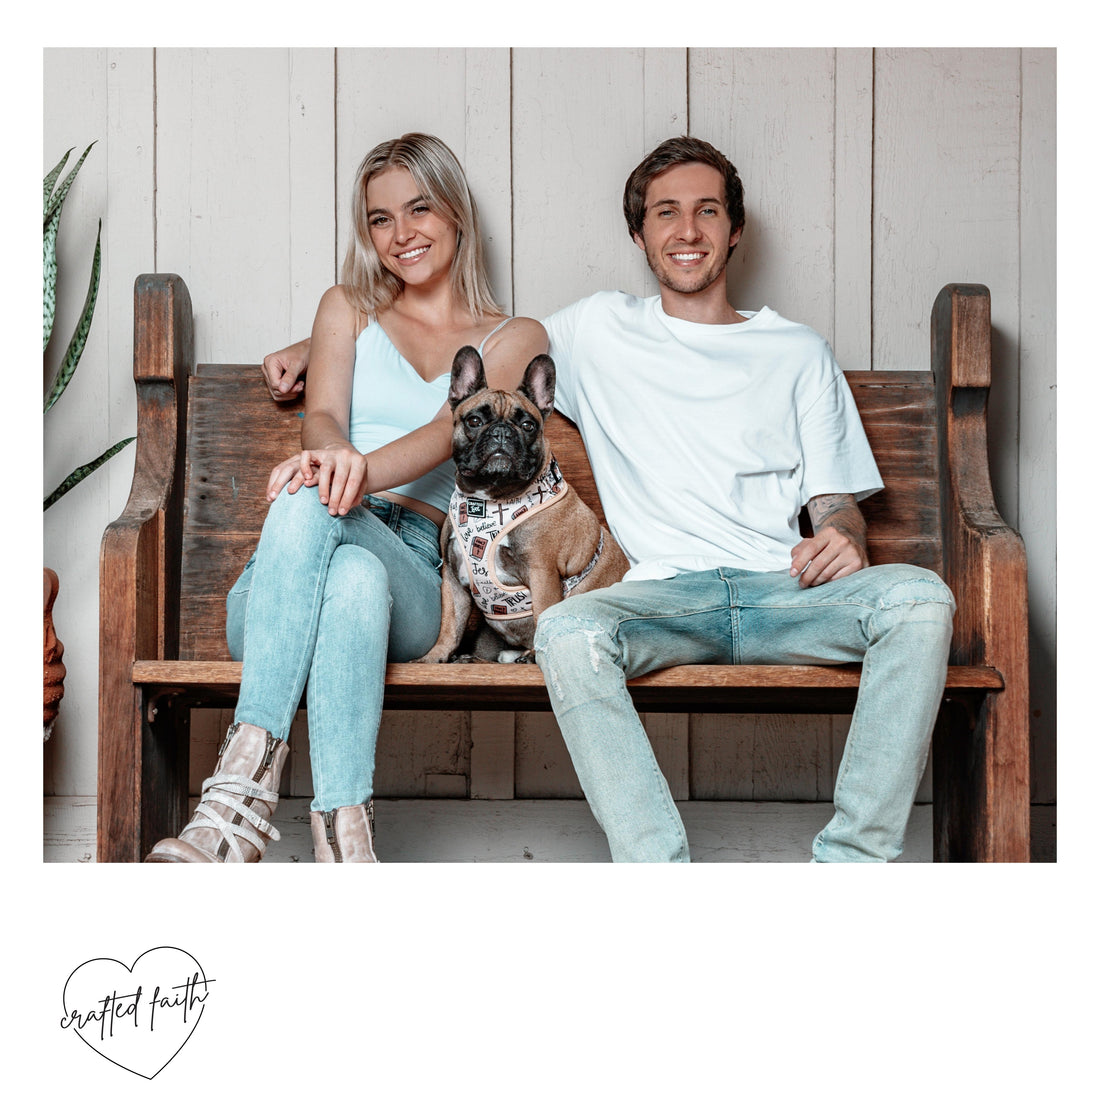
x=432, y=657
x=516, y=657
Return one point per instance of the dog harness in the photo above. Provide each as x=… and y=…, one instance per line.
x=481, y=523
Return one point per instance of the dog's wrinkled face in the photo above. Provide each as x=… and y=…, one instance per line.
x=498, y=443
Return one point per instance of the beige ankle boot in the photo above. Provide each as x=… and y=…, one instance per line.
x=344, y=835
x=232, y=823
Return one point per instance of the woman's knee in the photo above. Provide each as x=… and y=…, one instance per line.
x=358, y=577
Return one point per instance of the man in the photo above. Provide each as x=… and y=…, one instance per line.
x=707, y=430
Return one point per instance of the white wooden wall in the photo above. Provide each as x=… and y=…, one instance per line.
x=872, y=177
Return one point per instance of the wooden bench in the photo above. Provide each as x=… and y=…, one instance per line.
x=206, y=439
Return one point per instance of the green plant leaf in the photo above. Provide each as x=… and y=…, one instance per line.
x=81, y=472
x=80, y=335
x=49, y=276
x=51, y=219
x=62, y=192
x=49, y=180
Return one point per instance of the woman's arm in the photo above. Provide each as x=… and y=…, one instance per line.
x=327, y=459
x=413, y=455
x=506, y=357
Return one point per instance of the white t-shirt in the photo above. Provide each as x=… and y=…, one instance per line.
x=705, y=440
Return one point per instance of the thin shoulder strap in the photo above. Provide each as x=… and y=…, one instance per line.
x=481, y=346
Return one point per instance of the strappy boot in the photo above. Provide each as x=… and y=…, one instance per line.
x=232, y=823
x=344, y=835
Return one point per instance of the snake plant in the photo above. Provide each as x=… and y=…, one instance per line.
x=52, y=202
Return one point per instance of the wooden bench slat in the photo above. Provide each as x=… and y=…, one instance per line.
x=477, y=676
x=695, y=689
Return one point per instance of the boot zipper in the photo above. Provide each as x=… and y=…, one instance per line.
x=330, y=835
x=265, y=764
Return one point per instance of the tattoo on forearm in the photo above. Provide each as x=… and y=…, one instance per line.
x=838, y=510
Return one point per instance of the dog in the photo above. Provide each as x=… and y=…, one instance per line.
x=516, y=539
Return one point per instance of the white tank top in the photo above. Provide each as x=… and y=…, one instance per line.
x=389, y=400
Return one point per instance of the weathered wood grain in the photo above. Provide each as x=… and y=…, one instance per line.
x=981, y=755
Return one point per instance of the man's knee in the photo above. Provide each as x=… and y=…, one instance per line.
x=572, y=644
x=911, y=594
x=912, y=584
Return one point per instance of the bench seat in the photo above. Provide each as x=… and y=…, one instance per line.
x=709, y=689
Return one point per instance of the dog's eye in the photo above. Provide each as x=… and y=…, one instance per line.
x=473, y=421
x=528, y=425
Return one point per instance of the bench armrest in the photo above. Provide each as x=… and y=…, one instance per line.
x=984, y=560
x=140, y=551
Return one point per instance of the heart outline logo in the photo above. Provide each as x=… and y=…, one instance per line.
x=138, y=1017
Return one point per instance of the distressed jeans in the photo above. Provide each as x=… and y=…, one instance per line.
x=322, y=605
x=896, y=619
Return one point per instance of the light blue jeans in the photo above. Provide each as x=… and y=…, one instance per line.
x=322, y=605
x=896, y=619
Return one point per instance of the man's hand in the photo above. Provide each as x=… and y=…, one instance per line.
x=838, y=547
x=339, y=472
x=284, y=371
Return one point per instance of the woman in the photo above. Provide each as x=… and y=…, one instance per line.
x=346, y=574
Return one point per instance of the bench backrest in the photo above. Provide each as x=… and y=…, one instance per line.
x=236, y=433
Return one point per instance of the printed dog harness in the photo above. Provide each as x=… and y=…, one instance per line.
x=480, y=525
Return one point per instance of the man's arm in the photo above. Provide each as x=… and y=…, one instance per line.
x=284, y=371
x=838, y=547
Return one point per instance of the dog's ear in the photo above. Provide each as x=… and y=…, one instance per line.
x=467, y=376
x=538, y=384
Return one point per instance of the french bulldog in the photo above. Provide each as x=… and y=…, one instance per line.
x=516, y=539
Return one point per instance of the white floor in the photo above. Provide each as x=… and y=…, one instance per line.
x=540, y=831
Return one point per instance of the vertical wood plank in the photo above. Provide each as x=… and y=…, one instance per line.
x=312, y=263
x=578, y=130
x=492, y=754
x=945, y=193
x=1038, y=401
x=786, y=756
x=416, y=744
x=853, y=138
x=75, y=429
x=665, y=90
x=488, y=160
x=772, y=113
x=722, y=750
x=223, y=194
x=543, y=765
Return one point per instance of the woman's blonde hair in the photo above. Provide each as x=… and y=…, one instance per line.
x=441, y=181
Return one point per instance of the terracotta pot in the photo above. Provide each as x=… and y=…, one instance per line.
x=53, y=671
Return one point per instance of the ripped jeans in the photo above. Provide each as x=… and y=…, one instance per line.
x=325, y=601
x=896, y=619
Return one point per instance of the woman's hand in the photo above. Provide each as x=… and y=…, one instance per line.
x=339, y=471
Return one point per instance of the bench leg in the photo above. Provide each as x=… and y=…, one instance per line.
x=981, y=796
x=143, y=778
